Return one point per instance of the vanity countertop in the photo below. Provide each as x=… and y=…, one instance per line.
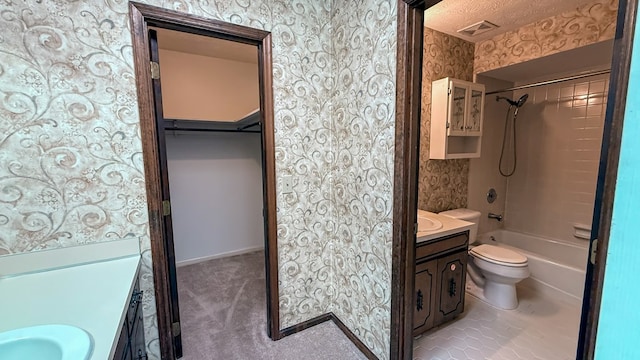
x=450, y=226
x=93, y=296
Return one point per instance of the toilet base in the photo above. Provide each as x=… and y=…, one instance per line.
x=502, y=296
x=476, y=291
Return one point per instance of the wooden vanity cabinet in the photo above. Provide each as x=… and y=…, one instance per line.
x=131, y=344
x=441, y=269
x=423, y=313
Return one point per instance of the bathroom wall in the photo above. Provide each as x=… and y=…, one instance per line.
x=206, y=88
x=559, y=137
x=70, y=148
x=483, y=171
x=586, y=25
x=442, y=184
x=363, y=136
x=216, y=194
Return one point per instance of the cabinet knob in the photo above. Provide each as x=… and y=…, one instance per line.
x=141, y=355
x=420, y=301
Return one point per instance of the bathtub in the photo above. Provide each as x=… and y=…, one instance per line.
x=554, y=264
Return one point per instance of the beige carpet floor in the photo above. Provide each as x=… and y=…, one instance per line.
x=223, y=316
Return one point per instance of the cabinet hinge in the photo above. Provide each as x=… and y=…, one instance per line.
x=176, y=328
x=155, y=70
x=166, y=208
x=594, y=250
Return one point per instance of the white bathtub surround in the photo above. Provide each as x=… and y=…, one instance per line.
x=553, y=264
x=560, y=135
x=543, y=327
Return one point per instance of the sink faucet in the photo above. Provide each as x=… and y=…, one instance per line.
x=495, y=216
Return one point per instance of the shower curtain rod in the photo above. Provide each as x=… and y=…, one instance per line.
x=554, y=81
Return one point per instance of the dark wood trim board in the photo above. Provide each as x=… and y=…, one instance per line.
x=142, y=16
x=614, y=121
x=407, y=144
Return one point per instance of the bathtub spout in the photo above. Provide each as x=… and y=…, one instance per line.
x=495, y=216
x=474, y=273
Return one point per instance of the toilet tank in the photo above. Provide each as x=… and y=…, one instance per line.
x=466, y=215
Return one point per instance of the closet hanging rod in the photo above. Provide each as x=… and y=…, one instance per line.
x=554, y=81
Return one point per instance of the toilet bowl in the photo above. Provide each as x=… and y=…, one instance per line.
x=495, y=269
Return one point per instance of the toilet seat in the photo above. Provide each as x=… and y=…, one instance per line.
x=499, y=255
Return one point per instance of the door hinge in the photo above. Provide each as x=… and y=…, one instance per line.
x=594, y=251
x=155, y=70
x=175, y=327
x=166, y=207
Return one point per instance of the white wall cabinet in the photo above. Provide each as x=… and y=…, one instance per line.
x=457, y=111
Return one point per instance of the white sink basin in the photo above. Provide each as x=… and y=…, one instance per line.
x=46, y=342
x=427, y=224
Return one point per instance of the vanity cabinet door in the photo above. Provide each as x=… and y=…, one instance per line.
x=424, y=296
x=138, y=348
x=123, y=348
x=450, y=285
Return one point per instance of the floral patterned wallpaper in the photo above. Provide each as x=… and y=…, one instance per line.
x=363, y=121
x=442, y=184
x=71, y=167
x=586, y=25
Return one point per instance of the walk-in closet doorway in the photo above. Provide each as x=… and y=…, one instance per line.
x=207, y=129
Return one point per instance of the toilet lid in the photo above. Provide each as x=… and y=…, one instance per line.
x=499, y=255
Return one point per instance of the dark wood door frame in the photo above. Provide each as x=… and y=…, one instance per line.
x=142, y=16
x=609, y=158
x=408, y=102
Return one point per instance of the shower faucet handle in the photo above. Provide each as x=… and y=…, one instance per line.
x=495, y=216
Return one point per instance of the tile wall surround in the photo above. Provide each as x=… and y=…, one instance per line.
x=442, y=184
x=483, y=171
x=554, y=184
x=586, y=25
x=71, y=170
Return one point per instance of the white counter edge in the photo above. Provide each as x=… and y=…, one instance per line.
x=25, y=263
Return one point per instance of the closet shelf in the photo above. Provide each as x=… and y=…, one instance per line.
x=249, y=124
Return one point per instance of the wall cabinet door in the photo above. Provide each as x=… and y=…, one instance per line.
x=450, y=286
x=424, y=296
x=466, y=107
x=457, y=108
x=473, y=124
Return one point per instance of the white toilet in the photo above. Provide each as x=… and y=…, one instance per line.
x=495, y=269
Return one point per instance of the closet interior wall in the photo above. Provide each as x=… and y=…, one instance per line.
x=215, y=177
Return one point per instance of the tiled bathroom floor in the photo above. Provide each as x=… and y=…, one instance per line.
x=544, y=328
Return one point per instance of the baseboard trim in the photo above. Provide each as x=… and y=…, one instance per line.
x=305, y=325
x=354, y=339
x=330, y=317
x=219, y=256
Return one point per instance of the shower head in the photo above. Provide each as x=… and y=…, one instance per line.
x=517, y=103
x=522, y=100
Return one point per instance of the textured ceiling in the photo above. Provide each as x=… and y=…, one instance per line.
x=206, y=46
x=449, y=16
